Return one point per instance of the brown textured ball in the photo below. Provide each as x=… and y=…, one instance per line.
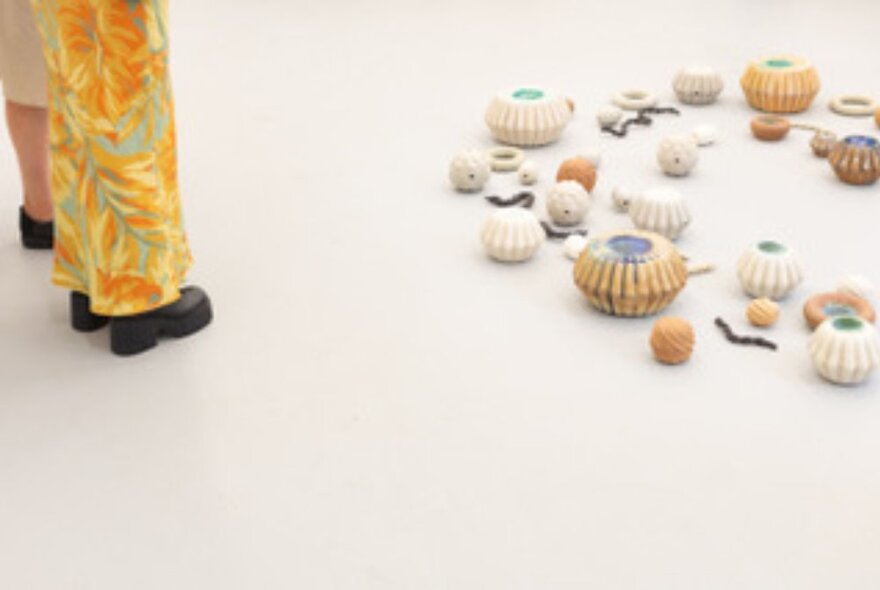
x=770, y=127
x=822, y=143
x=762, y=312
x=672, y=340
x=580, y=170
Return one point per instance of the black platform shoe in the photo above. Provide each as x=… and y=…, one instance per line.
x=81, y=317
x=133, y=334
x=35, y=235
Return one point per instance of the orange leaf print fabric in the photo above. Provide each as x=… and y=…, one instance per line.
x=118, y=230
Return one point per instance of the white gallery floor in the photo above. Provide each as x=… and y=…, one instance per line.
x=378, y=405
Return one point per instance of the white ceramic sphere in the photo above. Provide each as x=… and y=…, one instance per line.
x=661, y=210
x=567, y=202
x=528, y=172
x=609, y=115
x=574, y=245
x=769, y=269
x=470, y=170
x=512, y=234
x=677, y=154
x=623, y=198
x=705, y=135
x=697, y=85
x=845, y=349
x=857, y=285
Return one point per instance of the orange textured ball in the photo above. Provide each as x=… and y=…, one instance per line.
x=672, y=340
x=580, y=170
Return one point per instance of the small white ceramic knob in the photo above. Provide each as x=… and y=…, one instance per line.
x=609, y=115
x=705, y=135
x=574, y=245
x=528, y=172
x=623, y=198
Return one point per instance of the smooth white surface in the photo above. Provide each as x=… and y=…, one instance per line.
x=378, y=405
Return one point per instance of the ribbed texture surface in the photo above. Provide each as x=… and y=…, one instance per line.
x=661, y=211
x=527, y=123
x=512, y=235
x=697, y=85
x=855, y=164
x=672, y=340
x=780, y=90
x=845, y=355
x=772, y=275
x=630, y=285
x=762, y=312
x=822, y=143
x=567, y=202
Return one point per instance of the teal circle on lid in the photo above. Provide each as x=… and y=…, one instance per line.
x=778, y=63
x=528, y=94
x=771, y=247
x=847, y=323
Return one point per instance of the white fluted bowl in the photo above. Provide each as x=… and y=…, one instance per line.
x=769, y=269
x=697, y=85
x=660, y=210
x=529, y=116
x=512, y=234
x=845, y=349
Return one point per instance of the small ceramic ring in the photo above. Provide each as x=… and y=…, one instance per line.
x=820, y=307
x=770, y=127
x=634, y=99
x=505, y=159
x=853, y=105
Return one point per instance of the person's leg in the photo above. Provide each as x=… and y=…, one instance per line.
x=29, y=130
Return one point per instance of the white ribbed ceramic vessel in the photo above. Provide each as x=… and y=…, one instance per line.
x=769, y=269
x=528, y=116
x=845, y=349
x=512, y=234
x=698, y=85
x=469, y=170
x=567, y=202
x=660, y=210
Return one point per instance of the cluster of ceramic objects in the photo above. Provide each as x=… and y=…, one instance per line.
x=639, y=272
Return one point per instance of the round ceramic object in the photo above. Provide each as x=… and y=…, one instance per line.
x=593, y=156
x=858, y=285
x=528, y=116
x=822, y=143
x=512, y=234
x=609, y=115
x=769, y=269
x=505, y=159
x=634, y=99
x=780, y=84
x=623, y=198
x=819, y=308
x=877, y=117
x=630, y=273
x=853, y=105
x=578, y=169
x=567, y=202
x=845, y=350
x=672, y=340
x=660, y=210
x=762, y=312
x=469, y=171
x=573, y=246
x=677, y=154
x=856, y=159
x=770, y=127
x=697, y=85
x=705, y=135
x=528, y=172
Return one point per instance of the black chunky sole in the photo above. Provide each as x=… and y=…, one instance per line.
x=35, y=235
x=81, y=317
x=131, y=335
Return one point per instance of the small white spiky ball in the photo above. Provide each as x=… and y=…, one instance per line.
x=574, y=245
x=469, y=170
x=608, y=115
x=567, y=202
x=528, y=172
x=857, y=285
x=677, y=154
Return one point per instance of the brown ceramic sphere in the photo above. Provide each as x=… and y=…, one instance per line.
x=762, y=312
x=672, y=340
x=580, y=170
x=820, y=307
x=770, y=127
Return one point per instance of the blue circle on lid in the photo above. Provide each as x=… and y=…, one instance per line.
x=627, y=246
x=865, y=141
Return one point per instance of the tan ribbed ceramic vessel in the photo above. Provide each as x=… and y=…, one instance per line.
x=780, y=84
x=672, y=340
x=856, y=159
x=630, y=273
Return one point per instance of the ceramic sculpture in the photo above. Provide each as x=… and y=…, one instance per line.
x=623, y=197
x=877, y=117
x=845, y=350
x=630, y=273
x=469, y=171
x=567, y=202
x=528, y=172
x=769, y=269
x=660, y=210
x=780, y=84
x=528, y=116
x=609, y=115
x=505, y=158
x=672, y=340
x=819, y=308
x=512, y=234
x=858, y=285
x=573, y=246
x=762, y=312
x=705, y=135
x=578, y=169
x=697, y=85
x=822, y=143
x=856, y=159
x=770, y=127
x=853, y=105
x=677, y=154
x=634, y=99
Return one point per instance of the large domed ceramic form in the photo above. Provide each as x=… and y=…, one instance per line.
x=845, y=349
x=528, y=116
x=856, y=159
x=780, y=84
x=630, y=273
x=697, y=85
x=512, y=234
x=769, y=269
x=660, y=210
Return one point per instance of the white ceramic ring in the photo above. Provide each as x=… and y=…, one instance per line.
x=505, y=159
x=634, y=99
x=853, y=105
